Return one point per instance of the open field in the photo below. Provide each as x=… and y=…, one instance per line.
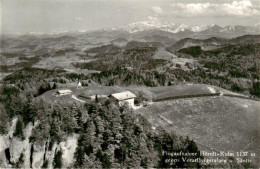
x=163, y=54
x=150, y=93
x=215, y=123
x=187, y=90
x=64, y=62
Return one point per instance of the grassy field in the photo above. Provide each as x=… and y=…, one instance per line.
x=60, y=61
x=163, y=54
x=186, y=90
x=215, y=123
x=150, y=93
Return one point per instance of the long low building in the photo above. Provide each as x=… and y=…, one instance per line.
x=64, y=92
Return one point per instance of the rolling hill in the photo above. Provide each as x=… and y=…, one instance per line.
x=215, y=123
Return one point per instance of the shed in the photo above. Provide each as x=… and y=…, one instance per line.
x=64, y=92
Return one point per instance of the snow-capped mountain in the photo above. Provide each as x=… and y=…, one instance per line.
x=240, y=29
x=150, y=25
x=177, y=28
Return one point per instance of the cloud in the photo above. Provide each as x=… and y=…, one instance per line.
x=152, y=18
x=78, y=19
x=243, y=8
x=157, y=10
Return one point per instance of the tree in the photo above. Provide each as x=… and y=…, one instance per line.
x=169, y=83
x=96, y=98
x=29, y=111
x=3, y=120
x=256, y=89
x=57, y=161
x=54, y=132
x=89, y=149
x=236, y=88
x=45, y=164
x=79, y=118
x=91, y=108
x=19, y=129
x=103, y=158
x=79, y=156
x=55, y=86
x=144, y=163
x=120, y=154
x=105, y=161
x=44, y=88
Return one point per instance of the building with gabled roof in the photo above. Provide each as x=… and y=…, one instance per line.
x=124, y=98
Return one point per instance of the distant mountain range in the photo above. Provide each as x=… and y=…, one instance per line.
x=179, y=30
x=176, y=28
x=148, y=31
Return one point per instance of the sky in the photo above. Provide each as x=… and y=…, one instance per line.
x=50, y=16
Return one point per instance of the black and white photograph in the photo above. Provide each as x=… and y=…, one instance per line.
x=129, y=84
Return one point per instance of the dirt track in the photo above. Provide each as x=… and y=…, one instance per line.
x=200, y=95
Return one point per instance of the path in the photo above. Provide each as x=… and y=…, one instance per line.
x=74, y=97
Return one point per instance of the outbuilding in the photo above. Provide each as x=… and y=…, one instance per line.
x=64, y=92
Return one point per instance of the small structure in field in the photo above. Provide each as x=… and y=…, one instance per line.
x=79, y=86
x=124, y=98
x=64, y=92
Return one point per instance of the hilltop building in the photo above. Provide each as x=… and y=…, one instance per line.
x=64, y=92
x=124, y=98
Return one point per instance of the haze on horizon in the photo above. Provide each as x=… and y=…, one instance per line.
x=24, y=16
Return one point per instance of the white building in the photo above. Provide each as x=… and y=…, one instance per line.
x=125, y=98
x=64, y=92
x=79, y=86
